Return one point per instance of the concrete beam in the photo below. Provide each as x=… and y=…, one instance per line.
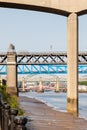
x=61, y=7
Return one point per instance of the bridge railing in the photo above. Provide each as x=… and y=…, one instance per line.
x=9, y=119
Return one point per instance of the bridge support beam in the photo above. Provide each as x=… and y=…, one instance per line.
x=72, y=54
x=23, y=85
x=40, y=85
x=57, y=85
x=11, y=71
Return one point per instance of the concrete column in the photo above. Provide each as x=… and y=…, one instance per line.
x=57, y=85
x=40, y=85
x=11, y=71
x=0, y=80
x=23, y=85
x=72, y=61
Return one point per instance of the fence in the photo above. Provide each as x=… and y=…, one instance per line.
x=9, y=119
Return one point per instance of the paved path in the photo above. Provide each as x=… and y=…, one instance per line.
x=44, y=118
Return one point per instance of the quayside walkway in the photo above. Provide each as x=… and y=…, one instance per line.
x=44, y=118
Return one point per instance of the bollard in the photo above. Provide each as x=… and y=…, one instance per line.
x=12, y=113
x=20, y=123
x=6, y=117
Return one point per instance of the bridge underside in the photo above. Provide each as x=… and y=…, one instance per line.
x=34, y=8
x=60, y=7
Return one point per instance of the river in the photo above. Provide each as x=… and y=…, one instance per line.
x=58, y=101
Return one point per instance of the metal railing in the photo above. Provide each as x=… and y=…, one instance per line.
x=9, y=119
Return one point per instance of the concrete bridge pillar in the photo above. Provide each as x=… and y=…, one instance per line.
x=72, y=54
x=11, y=71
x=40, y=85
x=57, y=85
x=23, y=84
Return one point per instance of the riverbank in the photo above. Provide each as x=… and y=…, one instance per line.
x=43, y=117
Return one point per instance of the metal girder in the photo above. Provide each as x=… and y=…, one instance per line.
x=3, y=58
x=82, y=69
x=3, y=70
x=43, y=69
x=48, y=58
x=41, y=58
x=56, y=58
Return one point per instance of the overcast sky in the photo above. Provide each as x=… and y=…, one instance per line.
x=37, y=31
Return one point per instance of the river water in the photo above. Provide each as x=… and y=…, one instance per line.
x=58, y=101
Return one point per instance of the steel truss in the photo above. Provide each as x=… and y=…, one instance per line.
x=43, y=58
x=43, y=69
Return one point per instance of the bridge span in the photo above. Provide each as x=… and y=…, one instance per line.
x=37, y=58
x=42, y=63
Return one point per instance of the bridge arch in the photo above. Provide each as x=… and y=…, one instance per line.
x=60, y=7
x=43, y=6
x=82, y=12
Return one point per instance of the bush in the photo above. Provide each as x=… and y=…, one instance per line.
x=12, y=100
x=2, y=90
x=83, y=83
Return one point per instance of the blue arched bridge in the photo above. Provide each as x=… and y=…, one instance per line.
x=43, y=63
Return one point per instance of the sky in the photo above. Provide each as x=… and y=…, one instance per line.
x=34, y=31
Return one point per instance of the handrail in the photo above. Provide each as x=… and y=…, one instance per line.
x=9, y=119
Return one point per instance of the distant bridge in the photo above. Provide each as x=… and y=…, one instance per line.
x=43, y=63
